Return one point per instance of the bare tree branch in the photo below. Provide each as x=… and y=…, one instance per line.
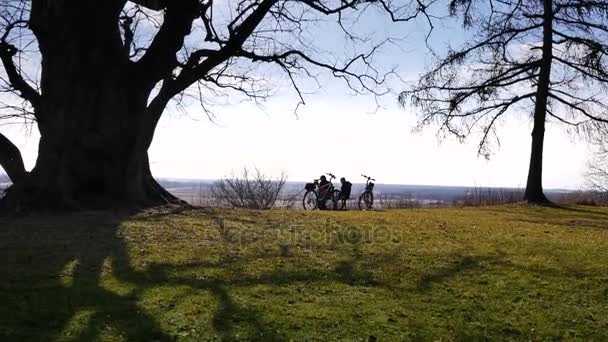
x=156, y=5
x=7, y=52
x=160, y=58
x=247, y=39
x=502, y=60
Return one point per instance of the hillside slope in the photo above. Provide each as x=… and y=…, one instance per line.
x=510, y=272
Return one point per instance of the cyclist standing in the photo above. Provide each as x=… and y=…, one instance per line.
x=345, y=191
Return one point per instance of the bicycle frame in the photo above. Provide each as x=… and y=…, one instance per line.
x=321, y=193
x=330, y=188
x=367, y=197
x=369, y=186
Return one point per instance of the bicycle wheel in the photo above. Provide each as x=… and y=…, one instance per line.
x=309, y=202
x=366, y=201
x=335, y=199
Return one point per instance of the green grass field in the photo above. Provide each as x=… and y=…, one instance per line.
x=508, y=272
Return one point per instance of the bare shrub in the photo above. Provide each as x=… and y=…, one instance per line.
x=586, y=198
x=597, y=178
x=252, y=190
x=597, y=168
x=490, y=196
x=405, y=201
x=204, y=196
x=289, y=200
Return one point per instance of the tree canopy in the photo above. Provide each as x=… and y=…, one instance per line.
x=546, y=59
x=101, y=74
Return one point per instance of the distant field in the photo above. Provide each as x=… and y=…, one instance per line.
x=506, y=273
x=199, y=193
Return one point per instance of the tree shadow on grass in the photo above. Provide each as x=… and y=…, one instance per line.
x=229, y=313
x=52, y=274
x=598, y=213
x=567, y=217
x=472, y=266
x=53, y=283
x=457, y=268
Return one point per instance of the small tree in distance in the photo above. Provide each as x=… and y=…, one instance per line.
x=597, y=168
x=251, y=190
x=544, y=58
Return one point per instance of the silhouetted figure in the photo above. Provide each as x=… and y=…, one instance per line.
x=345, y=191
x=324, y=186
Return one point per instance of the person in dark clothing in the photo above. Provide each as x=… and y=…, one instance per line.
x=345, y=191
x=324, y=186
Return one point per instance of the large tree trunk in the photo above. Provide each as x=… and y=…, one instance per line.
x=92, y=115
x=11, y=160
x=534, y=187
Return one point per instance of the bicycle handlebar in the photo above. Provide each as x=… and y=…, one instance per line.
x=330, y=174
x=368, y=177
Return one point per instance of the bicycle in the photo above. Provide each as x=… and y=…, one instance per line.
x=313, y=200
x=366, y=200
